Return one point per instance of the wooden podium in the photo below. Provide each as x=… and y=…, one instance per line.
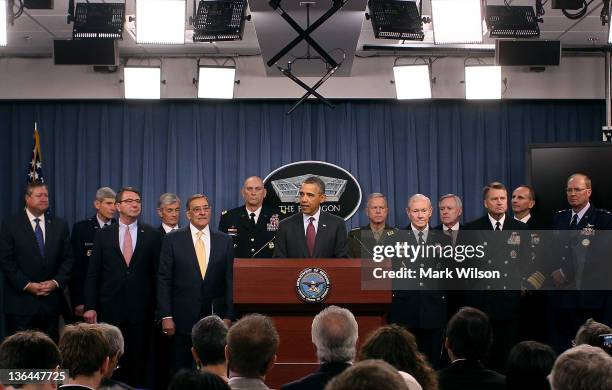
x=269, y=287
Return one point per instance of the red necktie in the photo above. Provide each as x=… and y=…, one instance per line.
x=310, y=237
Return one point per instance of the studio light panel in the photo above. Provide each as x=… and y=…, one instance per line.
x=142, y=82
x=412, y=82
x=483, y=82
x=160, y=21
x=457, y=21
x=216, y=82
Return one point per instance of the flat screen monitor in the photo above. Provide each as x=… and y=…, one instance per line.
x=549, y=166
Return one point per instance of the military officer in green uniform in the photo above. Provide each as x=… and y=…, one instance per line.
x=361, y=241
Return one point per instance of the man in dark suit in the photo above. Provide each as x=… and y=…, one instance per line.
x=468, y=339
x=252, y=226
x=583, y=251
x=506, y=248
x=311, y=232
x=361, y=241
x=83, y=234
x=334, y=334
x=168, y=210
x=120, y=284
x=195, y=278
x=423, y=312
x=36, y=260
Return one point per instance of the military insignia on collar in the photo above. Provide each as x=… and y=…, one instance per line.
x=390, y=233
x=515, y=239
x=272, y=226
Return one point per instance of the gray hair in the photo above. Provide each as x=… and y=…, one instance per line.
x=166, y=199
x=375, y=195
x=582, y=367
x=457, y=200
x=334, y=334
x=105, y=193
x=418, y=197
x=113, y=336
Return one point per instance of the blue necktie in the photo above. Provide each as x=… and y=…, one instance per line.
x=39, y=237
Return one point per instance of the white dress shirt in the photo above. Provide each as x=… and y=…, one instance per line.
x=168, y=228
x=133, y=228
x=494, y=221
x=315, y=222
x=416, y=231
x=32, y=217
x=257, y=212
x=206, y=237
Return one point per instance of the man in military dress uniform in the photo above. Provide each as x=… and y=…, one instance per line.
x=584, y=263
x=252, y=226
x=361, y=241
x=83, y=234
x=506, y=247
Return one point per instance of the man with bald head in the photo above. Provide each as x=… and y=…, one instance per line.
x=423, y=312
x=252, y=225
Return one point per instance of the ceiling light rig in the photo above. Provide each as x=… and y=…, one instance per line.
x=396, y=19
x=412, y=81
x=219, y=20
x=216, y=81
x=331, y=64
x=508, y=21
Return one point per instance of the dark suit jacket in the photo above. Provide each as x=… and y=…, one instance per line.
x=424, y=309
x=330, y=241
x=317, y=380
x=470, y=375
x=181, y=292
x=117, y=292
x=22, y=263
x=251, y=240
x=160, y=228
x=498, y=304
x=82, y=238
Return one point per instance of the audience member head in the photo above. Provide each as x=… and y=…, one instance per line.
x=334, y=334
x=114, y=337
x=582, y=367
x=589, y=333
x=528, y=366
x=398, y=347
x=209, y=337
x=197, y=380
x=85, y=354
x=29, y=349
x=468, y=334
x=368, y=375
x=251, y=346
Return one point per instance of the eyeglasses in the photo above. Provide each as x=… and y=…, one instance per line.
x=200, y=209
x=130, y=201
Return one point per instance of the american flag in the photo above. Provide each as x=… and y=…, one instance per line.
x=35, y=166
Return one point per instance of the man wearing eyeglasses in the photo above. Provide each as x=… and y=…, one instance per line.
x=194, y=279
x=584, y=262
x=120, y=284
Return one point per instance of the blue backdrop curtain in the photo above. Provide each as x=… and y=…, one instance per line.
x=398, y=148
